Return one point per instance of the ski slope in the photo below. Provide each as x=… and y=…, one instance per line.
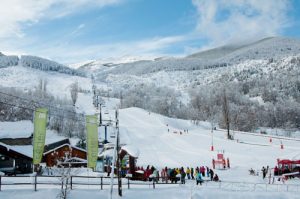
x=149, y=133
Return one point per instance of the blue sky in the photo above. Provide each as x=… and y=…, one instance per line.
x=98, y=29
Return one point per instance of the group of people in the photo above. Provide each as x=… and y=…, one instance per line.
x=175, y=175
x=264, y=171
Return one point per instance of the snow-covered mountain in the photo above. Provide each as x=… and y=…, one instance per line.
x=101, y=64
x=6, y=61
x=261, y=79
x=260, y=74
x=270, y=48
x=276, y=47
x=37, y=63
x=265, y=57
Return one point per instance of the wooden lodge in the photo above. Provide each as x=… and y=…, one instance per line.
x=15, y=159
x=16, y=155
x=62, y=153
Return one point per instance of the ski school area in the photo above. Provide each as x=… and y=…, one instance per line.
x=155, y=162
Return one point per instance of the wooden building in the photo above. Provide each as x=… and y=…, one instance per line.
x=128, y=158
x=15, y=159
x=128, y=155
x=63, y=153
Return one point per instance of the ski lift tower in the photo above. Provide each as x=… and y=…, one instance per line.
x=118, y=155
x=116, y=158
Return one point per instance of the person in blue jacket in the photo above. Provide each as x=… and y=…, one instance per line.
x=199, y=178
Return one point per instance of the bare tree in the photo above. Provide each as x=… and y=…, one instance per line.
x=74, y=92
x=42, y=87
x=226, y=116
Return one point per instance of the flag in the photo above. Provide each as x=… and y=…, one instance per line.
x=39, y=135
x=92, y=140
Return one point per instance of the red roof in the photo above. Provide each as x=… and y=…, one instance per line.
x=287, y=161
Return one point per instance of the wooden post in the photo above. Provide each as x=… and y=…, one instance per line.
x=101, y=183
x=35, y=182
x=71, y=182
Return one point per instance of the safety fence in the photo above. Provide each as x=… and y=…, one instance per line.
x=248, y=186
x=100, y=182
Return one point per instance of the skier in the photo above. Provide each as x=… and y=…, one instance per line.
x=228, y=163
x=108, y=170
x=264, y=172
x=207, y=171
x=155, y=175
x=202, y=170
x=199, y=178
x=164, y=174
x=197, y=170
x=148, y=172
x=188, y=173
x=169, y=173
x=216, y=178
x=192, y=173
x=276, y=171
x=211, y=173
x=182, y=176
x=173, y=176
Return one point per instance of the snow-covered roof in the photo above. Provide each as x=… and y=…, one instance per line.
x=26, y=150
x=47, y=152
x=131, y=150
x=20, y=129
x=107, y=153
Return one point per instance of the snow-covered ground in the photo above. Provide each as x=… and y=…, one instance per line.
x=160, y=144
x=158, y=147
x=18, y=129
x=188, y=191
x=158, y=138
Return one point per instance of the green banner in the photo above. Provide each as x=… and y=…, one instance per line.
x=39, y=135
x=92, y=140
